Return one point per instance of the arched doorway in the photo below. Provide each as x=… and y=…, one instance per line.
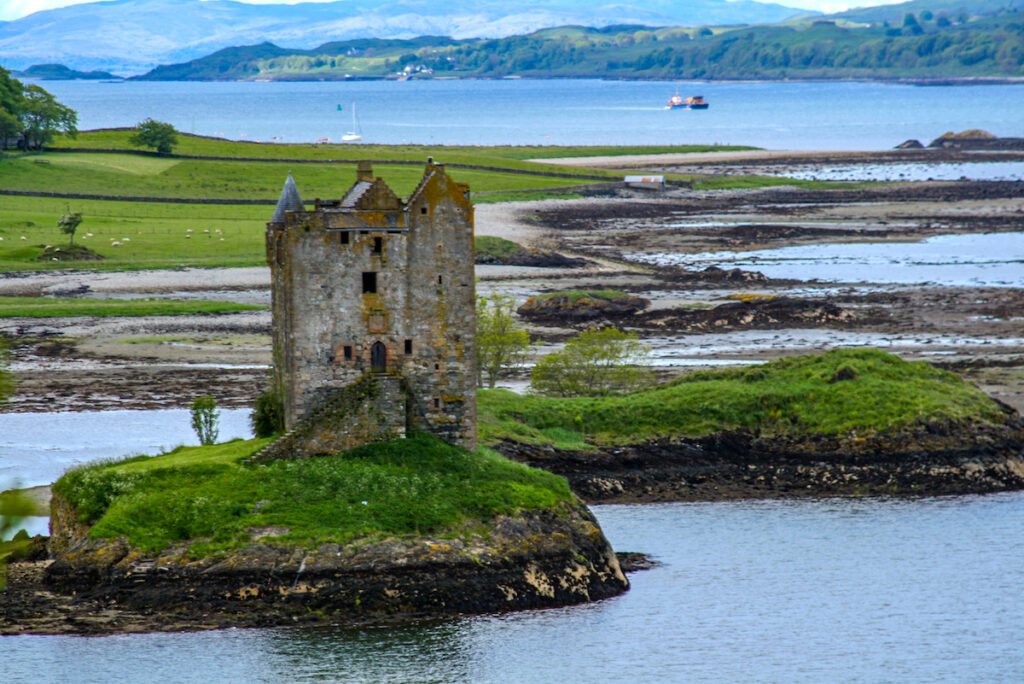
x=378, y=357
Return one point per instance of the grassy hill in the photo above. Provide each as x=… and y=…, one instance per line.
x=908, y=41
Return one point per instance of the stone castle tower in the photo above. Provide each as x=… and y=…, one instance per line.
x=374, y=314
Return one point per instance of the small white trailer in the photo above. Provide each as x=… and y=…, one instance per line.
x=645, y=182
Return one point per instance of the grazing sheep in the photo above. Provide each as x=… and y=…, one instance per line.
x=115, y=244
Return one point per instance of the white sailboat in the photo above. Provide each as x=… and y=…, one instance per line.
x=355, y=134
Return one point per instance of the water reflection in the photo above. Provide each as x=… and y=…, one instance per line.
x=923, y=590
x=990, y=259
x=993, y=171
x=36, y=448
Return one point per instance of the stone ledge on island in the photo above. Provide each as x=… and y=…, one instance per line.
x=537, y=559
x=926, y=460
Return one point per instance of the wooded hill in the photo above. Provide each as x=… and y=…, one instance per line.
x=925, y=45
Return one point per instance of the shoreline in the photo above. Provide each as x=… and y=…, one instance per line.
x=893, y=80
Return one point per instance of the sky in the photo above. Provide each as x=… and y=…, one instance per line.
x=15, y=9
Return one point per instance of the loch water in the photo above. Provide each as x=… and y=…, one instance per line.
x=790, y=115
x=870, y=590
x=956, y=260
x=815, y=590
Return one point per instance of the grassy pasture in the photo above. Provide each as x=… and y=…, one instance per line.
x=134, y=175
x=166, y=235
x=49, y=307
x=509, y=156
x=157, y=233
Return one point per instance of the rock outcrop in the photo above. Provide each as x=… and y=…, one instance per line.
x=929, y=459
x=536, y=559
x=575, y=308
x=759, y=313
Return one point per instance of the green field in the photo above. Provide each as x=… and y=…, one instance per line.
x=205, y=496
x=50, y=307
x=144, y=176
x=157, y=234
x=503, y=156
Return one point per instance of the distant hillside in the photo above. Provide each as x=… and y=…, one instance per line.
x=917, y=47
x=952, y=9
x=59, y=72
x=131, y=36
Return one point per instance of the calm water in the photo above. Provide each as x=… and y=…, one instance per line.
x=36, y=448
x=563, y=112
x=995, y=171
x=992, y=259
x=812, y=591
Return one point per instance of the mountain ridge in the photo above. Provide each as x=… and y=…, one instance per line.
x=133, y=36
x=923, y=50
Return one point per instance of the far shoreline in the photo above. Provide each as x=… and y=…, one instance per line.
x=893, y=80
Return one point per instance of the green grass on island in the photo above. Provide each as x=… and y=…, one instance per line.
x=205, y=496
x=52, y=307
x=486, y=245
x=790, y=397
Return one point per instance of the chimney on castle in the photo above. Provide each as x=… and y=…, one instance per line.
x=364, y=170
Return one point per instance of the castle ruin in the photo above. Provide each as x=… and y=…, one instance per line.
x=374, y=306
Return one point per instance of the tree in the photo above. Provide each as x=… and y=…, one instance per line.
x=156, y=134
x=42, y=117
x=204, y=419
x=69, y=222
x=501, y=344
x=268, y=415
x=11, y=103
x=596, y=363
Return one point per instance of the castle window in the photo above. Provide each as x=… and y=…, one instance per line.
x=369, y=282
x=378, y=245
x=423, y=210
x=408, y=346
x=343, y=237
x=440, y=280
x=348, y=352
x=437, y=403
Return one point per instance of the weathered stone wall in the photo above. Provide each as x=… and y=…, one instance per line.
x=369, y=271
x=372, y=409
x=441, y=283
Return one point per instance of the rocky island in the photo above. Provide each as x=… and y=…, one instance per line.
x=374, y=503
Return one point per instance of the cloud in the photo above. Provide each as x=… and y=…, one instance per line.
x=15, y=9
